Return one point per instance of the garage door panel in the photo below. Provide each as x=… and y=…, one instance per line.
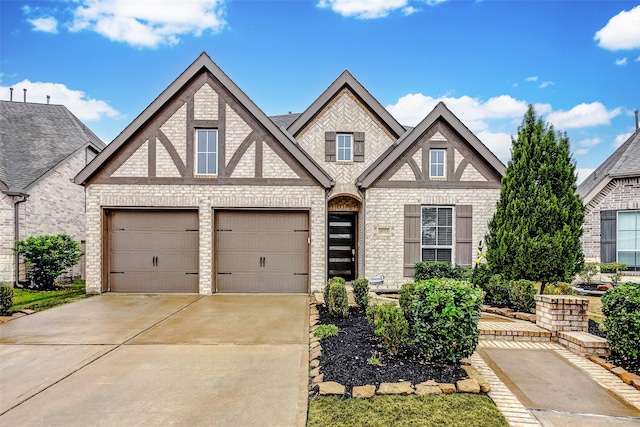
x=259, y=283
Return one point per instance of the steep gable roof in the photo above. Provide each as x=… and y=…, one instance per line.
x=35, y=138
x=204, y=64
x=346, y=80
x=441, y=111
x=623, y=163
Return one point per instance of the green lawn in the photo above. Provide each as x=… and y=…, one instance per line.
x=453, y=410
x=42, y=300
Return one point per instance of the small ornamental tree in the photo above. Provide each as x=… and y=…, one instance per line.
x=536, y=229
x=48, y=256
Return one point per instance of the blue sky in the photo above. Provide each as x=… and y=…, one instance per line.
x=577, y=62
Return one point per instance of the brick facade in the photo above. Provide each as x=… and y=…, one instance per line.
x=619, y=194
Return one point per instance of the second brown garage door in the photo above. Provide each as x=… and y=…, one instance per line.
x=262, y=251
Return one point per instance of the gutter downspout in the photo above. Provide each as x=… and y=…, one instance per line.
x=16, y=235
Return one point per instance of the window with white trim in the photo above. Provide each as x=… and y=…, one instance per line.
x=436, y=163
x=207, y=151
x=629, y=239
x=437, y=233
x=344, y=146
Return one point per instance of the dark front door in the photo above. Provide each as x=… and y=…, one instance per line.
x=342, y=245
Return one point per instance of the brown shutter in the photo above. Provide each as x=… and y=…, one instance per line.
x=358, y=146
x=608, y=231
x=464, y=240
x=412, y=227
x=329, y=146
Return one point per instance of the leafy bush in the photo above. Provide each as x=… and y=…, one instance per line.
x=560, y=288
x=389, y=325
x=361, y=292
x=326, y=288
x=6, y=300
x=497, y=290
x=589, y=270
x=433, y=269
x=49, y=256
x=336, y=298
x=521, y=295
x=446, y=314
x=481, y=275
x=324, y=331
x=407, y=291
x=613, y=267
x=621, y=306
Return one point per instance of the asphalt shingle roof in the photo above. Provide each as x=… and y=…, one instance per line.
x=284, y=120
x=625, y=161
x=36, y=137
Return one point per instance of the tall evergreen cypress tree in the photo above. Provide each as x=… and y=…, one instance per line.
x=536, y=229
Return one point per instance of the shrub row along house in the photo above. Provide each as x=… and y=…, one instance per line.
x=42, y=148
x=203, y=192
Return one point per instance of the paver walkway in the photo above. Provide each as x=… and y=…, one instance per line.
x=535, y=382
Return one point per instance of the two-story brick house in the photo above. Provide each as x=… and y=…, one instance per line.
x=203, y=192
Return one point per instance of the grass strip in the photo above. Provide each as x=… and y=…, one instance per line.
x=24, y=299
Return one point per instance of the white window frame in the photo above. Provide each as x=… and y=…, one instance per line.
x=637, y=230
x=339, y=150
x=206, y=153
x=433, y=165
x=451, y=246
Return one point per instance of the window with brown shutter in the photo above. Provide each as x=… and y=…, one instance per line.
x=412, y=227
x=358, y=146
x=330, y=146
x=464, y=239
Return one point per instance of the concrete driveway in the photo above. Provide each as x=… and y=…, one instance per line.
x=221, y=360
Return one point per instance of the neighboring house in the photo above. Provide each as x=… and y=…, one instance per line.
x=611, y=195
x=203, y=192
x=42, y=148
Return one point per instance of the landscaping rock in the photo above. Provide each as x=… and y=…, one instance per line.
x=314, y=372
x=628, y=377
x=363, y=391
x=429, y=383
x=600, y=361
x=331, y=388
x=315, y=353
x=423, y=390
x=314, y=344
x=468, y=386
x=482, y=381
x=317, y=380
x=314, y=363
x=465, y=361
x=618, y=371
x=448, y=388
x=532, y=318
x=27, y=311
x=314, y=339
x=404, y=388
x=636, y=384
x=522, y=316
x=313, y=322
x=604, y=287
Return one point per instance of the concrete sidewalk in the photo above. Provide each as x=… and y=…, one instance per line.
x=132, y=360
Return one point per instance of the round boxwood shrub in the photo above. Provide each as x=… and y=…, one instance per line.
x=336, y=299
x=389, y=325
x=521, y=295
x=621, y=306
x=361, y=292
x=407, y=291
x=446, y=314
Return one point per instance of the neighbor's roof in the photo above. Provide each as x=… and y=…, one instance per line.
x=35, y=138
x=284, y=120
x=623, y=163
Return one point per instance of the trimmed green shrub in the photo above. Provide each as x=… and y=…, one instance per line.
x=361, y=292
x=6, y=300
x=497, y=290
x=589, y=270
x=560, y=288
x=407, y=291
x=326, y=288
x=521, y=295
x=48, y=256
x=613, y=267
x=480, y=276
x=446, y=314
x=433, y=269
x=621, y=306
x=389, y=325
x=324, y=331
x=336, y=299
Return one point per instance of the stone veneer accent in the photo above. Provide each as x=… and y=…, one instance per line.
x=562, y=313
x=619, y=194
x=385, y=208
x=204, y=198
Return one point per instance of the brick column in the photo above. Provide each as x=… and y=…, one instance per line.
x=562, y=313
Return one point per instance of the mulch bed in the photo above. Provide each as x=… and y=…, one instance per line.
x=345, y=357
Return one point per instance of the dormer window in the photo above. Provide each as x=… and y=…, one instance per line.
x=345, y=147
x=436, y=164
x=207, y=151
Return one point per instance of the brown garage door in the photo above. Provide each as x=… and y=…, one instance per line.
x=262, y=251
x=153, y=251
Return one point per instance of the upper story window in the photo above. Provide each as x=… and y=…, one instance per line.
x=344, y=147
x=207, y=151
x=436, y=163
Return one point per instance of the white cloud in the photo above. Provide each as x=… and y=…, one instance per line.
x=545, y=84
x=498, y=142
x=622, y=61
x=148, y=23
x=620, y=139
x=638, y=59
x=83, y=107
x=583, y=173
x=365, y=9
x=622, y=32
x=583, y=115
x=412, y=108
x=589, y=142
x=531, y=79
x=410, y=10
x=47, y=25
